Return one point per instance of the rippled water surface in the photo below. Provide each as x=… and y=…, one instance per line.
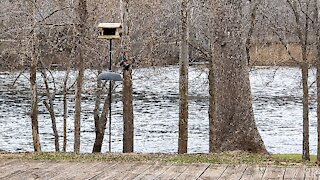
x=277, y=95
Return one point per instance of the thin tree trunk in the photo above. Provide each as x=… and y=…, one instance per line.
x=212, y=102
x=33, y=84
x=305, y=75
x=183, y=80
x=302, y=33
x=65, y=107
x=234, y=126
x=304, y=70
x=100, y=123
x=128, y=118
x=34, y=104
x=96, y=116
x=212, y=90
x=82, y=14
x=50, y=108
x=318, y=95
x=77, y=116
x=317, y=28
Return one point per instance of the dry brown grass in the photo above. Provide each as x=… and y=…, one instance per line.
x=275, y=54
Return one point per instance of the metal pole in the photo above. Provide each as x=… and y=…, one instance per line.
x=110, y=95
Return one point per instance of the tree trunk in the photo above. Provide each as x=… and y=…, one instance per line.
x=65, y=108
x=50, y=107
x=317, y=28
x=82, y=14
x=183, y=80
x=33, y=84
x=77, y=116
x=128, y=126
x=304, y=69
x=233, y=127
x=34, y=103
x=100, y=122
x=305, y=75
x=128, y=123
x=212, y=102
x=302, y=31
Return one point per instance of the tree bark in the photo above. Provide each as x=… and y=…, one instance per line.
x=33, y=83
x=34, y=103
x=82, y=14
x=302, y=31
x=128, y=117
x=305, y=75
x=183, y=80
x=77, y=116
x=212, y=103
x=233, y=127
x=317, y=28
x=304, y=70
x=65, y=107
x=128, y=126
x=50, y=107
x=100, y=121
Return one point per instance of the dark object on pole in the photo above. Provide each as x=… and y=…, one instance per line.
x=110, y=76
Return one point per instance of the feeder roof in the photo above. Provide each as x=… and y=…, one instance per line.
x=109, y=25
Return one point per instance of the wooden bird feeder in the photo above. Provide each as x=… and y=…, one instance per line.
x=109, y=30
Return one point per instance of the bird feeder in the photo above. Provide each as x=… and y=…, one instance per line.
x=109, y=30
x=110, y=76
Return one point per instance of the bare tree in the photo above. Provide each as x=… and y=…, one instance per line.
x=302, y=31
x=183, y=80
x=233, y=126
x=128, y=123
x=82, y=13
x=33, y=80
x=50, y=107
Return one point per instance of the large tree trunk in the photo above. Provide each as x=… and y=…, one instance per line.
x=33, y=83
x=183, y=80
x=128, y=123
x=233, y=127
x=82, y=14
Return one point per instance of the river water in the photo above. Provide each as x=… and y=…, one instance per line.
x=277, y=95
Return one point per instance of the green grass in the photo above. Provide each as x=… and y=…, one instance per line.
x=292, y=157
x=221, y=158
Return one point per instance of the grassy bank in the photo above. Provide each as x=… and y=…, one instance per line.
x=223, y=158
